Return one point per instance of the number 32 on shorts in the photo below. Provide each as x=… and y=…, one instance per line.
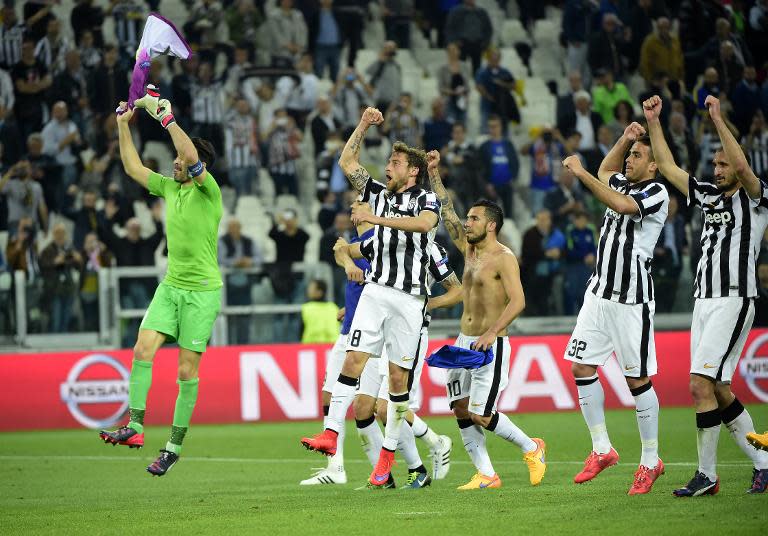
x=575, y=347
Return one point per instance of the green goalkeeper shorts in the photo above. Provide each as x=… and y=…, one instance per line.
x=185, y=316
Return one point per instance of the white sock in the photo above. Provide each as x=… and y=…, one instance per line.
x=647, y=413
x=739, y=423
x=592, y=402
x=341, y=398
x=371, y=438
x=474, y=443
x=708, y=424
x=396, y=412
x=407, y=447
x=506, y=429
x=425, y=433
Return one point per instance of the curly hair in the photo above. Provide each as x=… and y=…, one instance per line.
x=416, y=158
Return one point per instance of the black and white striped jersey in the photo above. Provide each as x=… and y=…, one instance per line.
x=207, y=103
x=241, y=145
x=625, y=249
x=399, y=259
x=52, y=54
x=439, y=270
x=10, y=45
x=732, y=229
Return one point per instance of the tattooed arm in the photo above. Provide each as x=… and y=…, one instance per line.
x=453, y=295
x=348, y=160
x=452, y=222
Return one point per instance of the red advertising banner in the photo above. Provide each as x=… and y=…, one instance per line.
x=282, y=382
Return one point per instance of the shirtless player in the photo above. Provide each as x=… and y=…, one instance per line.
x=493, y=298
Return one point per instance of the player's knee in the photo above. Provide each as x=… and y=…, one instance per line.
x=381, y=411
x=701, y=389
x=187, y=371
x=353, y=364
x=480, y=420
x=143, y=351
x=582, y=371
x=724, y=395
x=362, y=409
x=460, y=408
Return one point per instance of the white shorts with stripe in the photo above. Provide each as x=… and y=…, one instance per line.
x=719, y=331
x=388, y=322
x=605, y=327
x=374, y=381
x=484, y=385
x=334, y=362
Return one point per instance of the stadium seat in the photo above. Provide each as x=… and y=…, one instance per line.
x=512, y=31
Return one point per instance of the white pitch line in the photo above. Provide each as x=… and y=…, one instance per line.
x=129, y=458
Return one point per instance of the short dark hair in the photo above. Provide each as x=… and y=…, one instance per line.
x=322, y=286
x=205, y=152
x=492, y=211
x=416, y=158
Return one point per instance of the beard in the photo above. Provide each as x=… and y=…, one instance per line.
x=725, y=184
x=477, y=238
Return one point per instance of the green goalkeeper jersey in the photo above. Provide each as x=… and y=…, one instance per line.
x=192, y=215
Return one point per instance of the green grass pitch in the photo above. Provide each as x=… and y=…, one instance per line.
x=243, y=479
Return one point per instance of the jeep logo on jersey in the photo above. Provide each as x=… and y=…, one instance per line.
x=754, y=367
x=97, y=382
x=718, y=217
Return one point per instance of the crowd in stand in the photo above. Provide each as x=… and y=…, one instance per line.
x=275, y=84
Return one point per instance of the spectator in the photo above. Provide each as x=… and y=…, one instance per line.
x=583, y=119
x=723, y=34
x=681, y=143
x=745, y=99
x=181, y=89
x=288, y=34
x=87, y=218
x=69, y=86
x=495, y=85
x=59, y=262
x=300, y=95
x=639, y=27
x=319, y=318
x=44, y=170
x=241, y=144
x=326, y=216
x=208, y=107
x=202, y=28
x=95, y=256
x=755, y=144
x=437, y=129
x=659, y=84
x=607, y=94
x=470, y=27
x=24, y=196
x=31, y=80
x=266, y=107
x=575, y=33
x=729, y=65
x=566, y=107
x=10, y=138
x=580, y=254
x=244, y=19
x=87, y=17
x=668, y=258
x=623, y=115
x=351, y=17
x=462, y=165
x=11, y=36
x=546, y=153
x=283, y=139
x=397, y=16
x=500, y=165
x=238, y=80
x=325, y=40
x=757, y=31
x=454, y=81
x=21, y=250
x=710, y=86
x=661, y=51
x=128, y=17
x=350, y=94
x=61, y=141
x=565, y=201
x=342, y=227
x=607, y=47
x=90, y=54
x=238, y=253
x=323, y=124
x=51, y=49
x=290, y=240
x=401, y=123
x=109, y=84
x=605, y=141
x=385, y=77
x=543, y=249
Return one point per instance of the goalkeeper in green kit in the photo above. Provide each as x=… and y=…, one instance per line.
x=188, y=299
